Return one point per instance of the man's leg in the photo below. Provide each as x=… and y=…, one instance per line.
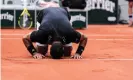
x=130, y=5
x=42, y=48
x=68, y=50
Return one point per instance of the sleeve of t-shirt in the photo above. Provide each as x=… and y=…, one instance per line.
x=75, y=37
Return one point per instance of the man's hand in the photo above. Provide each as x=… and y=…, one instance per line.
x=38, y=56
x=76, y=56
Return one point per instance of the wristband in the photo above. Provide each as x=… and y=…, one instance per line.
x=80, y=50
x=31, y=49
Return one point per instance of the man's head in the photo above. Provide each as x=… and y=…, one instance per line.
x=57, y=50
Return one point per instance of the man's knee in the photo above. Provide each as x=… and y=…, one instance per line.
x=42, y=48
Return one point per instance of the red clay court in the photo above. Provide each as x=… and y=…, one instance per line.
x=108, y=56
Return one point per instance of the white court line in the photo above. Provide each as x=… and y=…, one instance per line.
x=98, y=39
x=24, y=59
x=12, y=34
x=86, y=34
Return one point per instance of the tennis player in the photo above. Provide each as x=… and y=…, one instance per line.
x=43, y=48
x=55, y=30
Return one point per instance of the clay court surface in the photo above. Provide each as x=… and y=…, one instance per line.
x=108, y=56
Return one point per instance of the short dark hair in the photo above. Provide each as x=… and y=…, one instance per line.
x=56, y=50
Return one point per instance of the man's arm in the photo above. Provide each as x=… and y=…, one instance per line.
x=81, y=47
x=28, y=44
x=82, y=44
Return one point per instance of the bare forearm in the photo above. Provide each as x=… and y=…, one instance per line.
x=28, y=44
x=83, y=42
x=82, y=45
